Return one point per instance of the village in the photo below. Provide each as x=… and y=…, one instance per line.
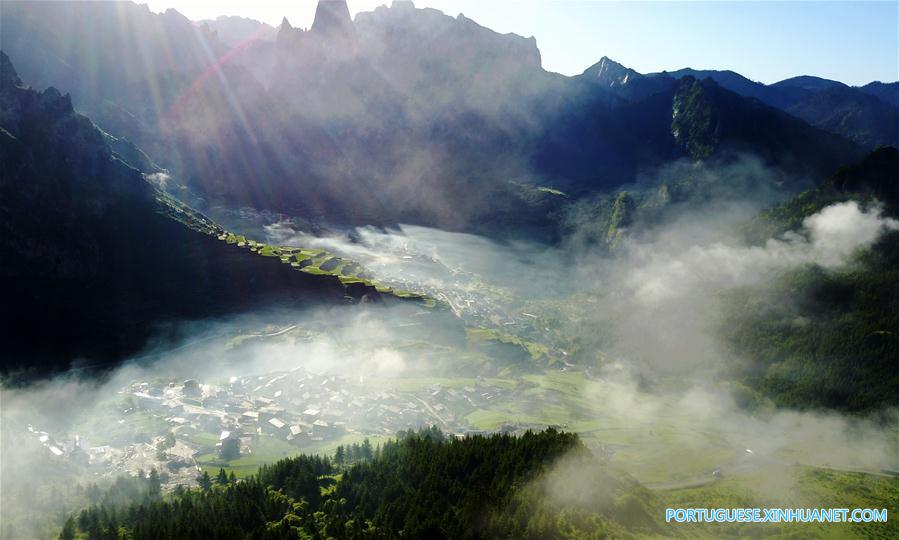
x=236, y=418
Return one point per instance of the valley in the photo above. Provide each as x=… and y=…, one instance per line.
x=387, y=273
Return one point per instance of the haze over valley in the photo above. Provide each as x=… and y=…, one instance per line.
x=389, y=277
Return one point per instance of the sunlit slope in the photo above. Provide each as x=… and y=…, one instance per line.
x=315, y=262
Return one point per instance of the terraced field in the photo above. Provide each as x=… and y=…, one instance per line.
x=317, y=262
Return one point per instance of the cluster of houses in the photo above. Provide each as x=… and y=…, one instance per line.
x=300, y=407
x=297, y=406
x=78, y=448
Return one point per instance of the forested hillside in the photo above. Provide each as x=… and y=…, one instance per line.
x=826, y=338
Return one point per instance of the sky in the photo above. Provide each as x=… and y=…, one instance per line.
x=851, y=41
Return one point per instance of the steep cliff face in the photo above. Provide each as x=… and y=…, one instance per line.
x=694, y=123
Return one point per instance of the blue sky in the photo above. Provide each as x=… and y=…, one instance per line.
x=854, y=42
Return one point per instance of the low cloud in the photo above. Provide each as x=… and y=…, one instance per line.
x=640, y=321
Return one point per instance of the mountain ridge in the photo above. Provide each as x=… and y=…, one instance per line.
x=411, y=115
x=827, y=104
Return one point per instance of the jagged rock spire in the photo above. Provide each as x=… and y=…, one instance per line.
x=332, y=17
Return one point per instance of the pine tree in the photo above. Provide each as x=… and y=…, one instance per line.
x=340, y=456
x=230, y=448
x=205, y=481
x=68, y=530
x=232, y=478
x=83, y=520
x=366, y=450
x=93, y=493
x=222, y=478
x=154, y=485
x=93, y=525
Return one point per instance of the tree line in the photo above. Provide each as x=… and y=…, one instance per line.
x=421, y=485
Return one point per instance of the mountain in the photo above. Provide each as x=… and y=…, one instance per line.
x=808, y=83
x=624, y=81
x=862, y=117
x=475, y=98
x=95, y=256
x=693, y=119
x=234, y=31
x=59, y=45
x=888, y=92
x=129, y=79
x=333, y=17
x=728, y=79
x=823, y=103
x=401, y=115
x=707, y=115
x=609, y=73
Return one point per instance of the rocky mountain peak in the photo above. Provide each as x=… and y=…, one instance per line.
x=608, y=72
x=332, y=17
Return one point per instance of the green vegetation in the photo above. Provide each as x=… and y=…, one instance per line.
x=204, y=438
x=420, y=486
x=694, y=124
x=819, y=338
x=536, y=351
x=622, y=216
x=266, y=450
x=423, y=485
x=791, y=487
x=310, y=261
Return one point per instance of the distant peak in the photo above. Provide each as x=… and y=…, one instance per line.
x=402, y=4
x=173, y=13
x=605, y=60
x=285, y=24
x=809, y=82
x=332, y=16
x=608, y=72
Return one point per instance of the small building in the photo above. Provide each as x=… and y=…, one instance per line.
x=191, y=387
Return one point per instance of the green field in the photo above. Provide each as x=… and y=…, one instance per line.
x=269, y=450
x=791, y=487
x=266, y=450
